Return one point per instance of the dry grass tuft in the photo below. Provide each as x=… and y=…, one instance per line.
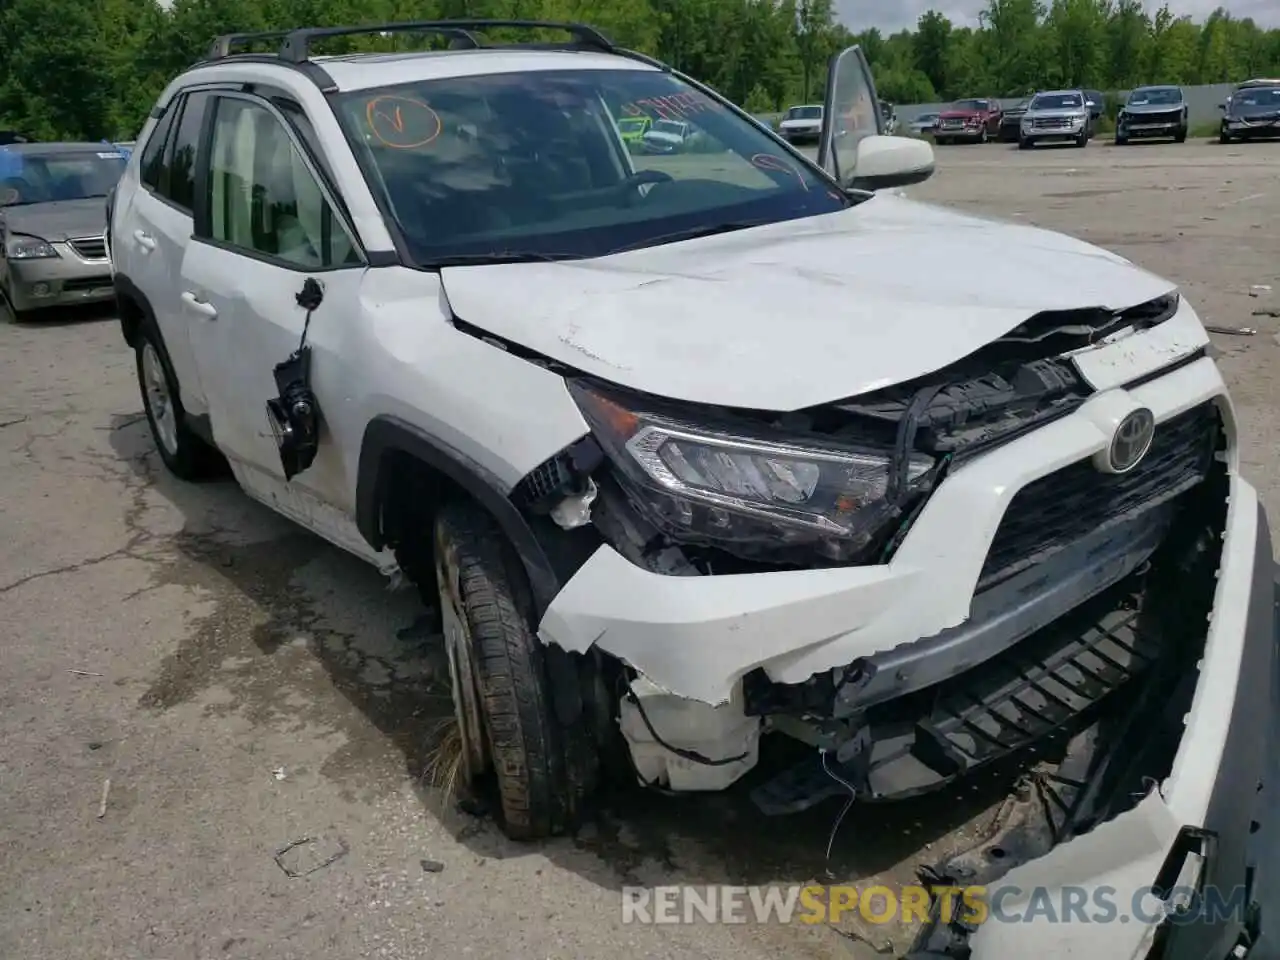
x=443, y=769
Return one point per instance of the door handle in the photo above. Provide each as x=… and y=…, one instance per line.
x=203, y=307
x=145, y=240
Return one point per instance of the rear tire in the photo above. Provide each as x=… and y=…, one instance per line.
x=544, y=771
x=184, y=452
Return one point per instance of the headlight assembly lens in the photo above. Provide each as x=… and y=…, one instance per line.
x=29, y=248
x=745, y=489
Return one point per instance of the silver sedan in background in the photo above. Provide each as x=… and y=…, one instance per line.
x=52, y=221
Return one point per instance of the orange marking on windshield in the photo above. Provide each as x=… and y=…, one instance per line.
x=403, y=123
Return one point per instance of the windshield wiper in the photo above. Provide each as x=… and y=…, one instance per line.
x=693, y=233
x=487, y=259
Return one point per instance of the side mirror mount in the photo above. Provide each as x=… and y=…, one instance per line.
x=885, y=162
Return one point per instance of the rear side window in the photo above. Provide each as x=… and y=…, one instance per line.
x=182, y=167
x=152, y=166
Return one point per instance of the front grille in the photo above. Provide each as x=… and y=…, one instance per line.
x=1051, y=512
x=1169, y=116
x=89, y=248
x=87, y=283
x=1050, y=123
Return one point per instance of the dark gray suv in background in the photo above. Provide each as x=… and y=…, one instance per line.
x=1159, y=111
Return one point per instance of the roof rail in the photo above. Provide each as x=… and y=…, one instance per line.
x=224, y=45
x=296, y=46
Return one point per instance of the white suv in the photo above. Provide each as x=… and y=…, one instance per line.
x=690, y=455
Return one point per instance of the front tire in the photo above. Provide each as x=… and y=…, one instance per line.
x=1025, y=143
x=184, y=453
x=1180, y=136
x=544, y=771
x=1223, y=136
x=982, y=135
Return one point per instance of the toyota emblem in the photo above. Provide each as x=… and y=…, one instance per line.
x=1131, y=441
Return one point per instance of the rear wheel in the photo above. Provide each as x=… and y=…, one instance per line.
x=1223, y=136
x=1083, y=139
x=544, y=770
x=1121, y=140
x=184, y=452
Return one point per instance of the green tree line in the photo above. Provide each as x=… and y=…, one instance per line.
x=90, y=69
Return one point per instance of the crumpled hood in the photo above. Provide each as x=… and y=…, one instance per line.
x=795, y=314
x=1250, y=111
x=57, y=221
x=1141, y=108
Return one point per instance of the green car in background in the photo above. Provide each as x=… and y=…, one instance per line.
x=633, y=129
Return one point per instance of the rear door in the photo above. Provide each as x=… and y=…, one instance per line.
x=153, y=225
x=850, y=112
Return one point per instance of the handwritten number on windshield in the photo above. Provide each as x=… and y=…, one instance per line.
x=402, y=122
x=771, y=164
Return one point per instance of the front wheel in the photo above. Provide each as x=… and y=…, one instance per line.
x=1180, y=136
x=544, y=770
x=184, y=453
x=1024, y=143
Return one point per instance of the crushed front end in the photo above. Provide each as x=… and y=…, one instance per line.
x=1041, y=558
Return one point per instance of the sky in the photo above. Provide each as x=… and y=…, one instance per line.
x=893, y=15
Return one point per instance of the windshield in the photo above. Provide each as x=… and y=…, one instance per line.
x=1258, y=97
x=926, y=117
x=65, y=175
x=633, y=124
x=804, y=113
x=513, y=165
x=1158, y=95
x=969, y=105
x=1057, y=101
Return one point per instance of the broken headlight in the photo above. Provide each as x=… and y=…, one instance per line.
x=749, y=490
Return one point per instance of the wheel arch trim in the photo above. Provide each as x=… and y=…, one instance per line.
x=387, y=434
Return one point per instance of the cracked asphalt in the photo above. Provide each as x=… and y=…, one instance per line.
x=244, y=686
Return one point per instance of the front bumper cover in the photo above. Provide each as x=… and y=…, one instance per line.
x=65, y=280
x=1222, y=786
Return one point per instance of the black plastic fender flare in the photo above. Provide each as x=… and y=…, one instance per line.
x=390, y=434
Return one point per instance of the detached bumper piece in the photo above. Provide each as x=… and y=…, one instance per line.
x=1003, y=706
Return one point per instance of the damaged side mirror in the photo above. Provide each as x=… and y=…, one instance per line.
x=293, y=413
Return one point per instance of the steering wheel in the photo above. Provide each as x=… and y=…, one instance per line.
x=629, y=188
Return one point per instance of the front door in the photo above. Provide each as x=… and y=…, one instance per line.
x=264, y=229
x=850, y=112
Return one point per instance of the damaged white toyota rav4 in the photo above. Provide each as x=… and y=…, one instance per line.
x=691, y=456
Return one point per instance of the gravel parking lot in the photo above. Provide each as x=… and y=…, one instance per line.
x=243, y=685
